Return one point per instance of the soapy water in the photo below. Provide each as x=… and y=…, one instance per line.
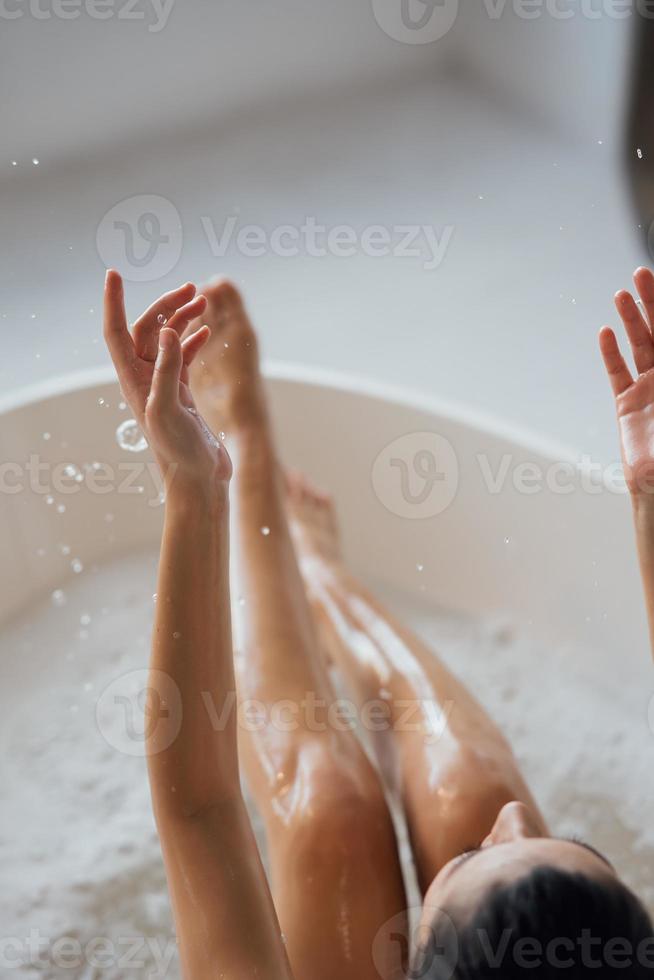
x=130, y=437
x=78, y=846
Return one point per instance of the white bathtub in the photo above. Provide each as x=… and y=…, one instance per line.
x=569, y=563
x=558, y=566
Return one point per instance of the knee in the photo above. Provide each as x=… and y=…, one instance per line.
x=340, y=806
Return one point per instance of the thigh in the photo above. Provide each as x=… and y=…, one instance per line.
x=337, y=879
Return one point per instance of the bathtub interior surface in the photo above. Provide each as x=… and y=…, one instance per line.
x=79, y=850
x=543, y=626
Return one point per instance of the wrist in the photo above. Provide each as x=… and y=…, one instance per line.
x=188, y=494
x=643, y=513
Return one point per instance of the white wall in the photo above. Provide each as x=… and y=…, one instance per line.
x=571, y=71
x=71, y=85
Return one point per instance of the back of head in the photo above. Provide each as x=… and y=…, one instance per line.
x=548, y=924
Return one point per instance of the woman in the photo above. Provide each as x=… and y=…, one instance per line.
x=502, y=897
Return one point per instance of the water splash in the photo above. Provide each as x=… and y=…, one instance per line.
x=130, y=437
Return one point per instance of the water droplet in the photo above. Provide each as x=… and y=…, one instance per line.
x=222, y=435
x=100, y=401
x=58, y=598
x=49, y=500
x=420, y=567
x=77, y=566
x=154, y=597
x=35, y=161
x=14, y=163
x=161, y=320
x=64, y=549
x=265, y=531
x=61, y=508
x=122, y=406
x=176, y=635
x=73, y=472
x=130, y=437
x=46, y=436
x=507, y=540
x=85, y=619
x=639, y=153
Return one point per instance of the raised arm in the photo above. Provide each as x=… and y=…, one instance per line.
x=634, y=400
x=225, y=920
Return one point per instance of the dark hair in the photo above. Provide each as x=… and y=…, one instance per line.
x=548, y=924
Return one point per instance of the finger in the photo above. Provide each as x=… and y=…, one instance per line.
x=637, y=329
x=116, y=332
x=644, y=281
x=180, y=320
x=616, y=367
x=194, y=344
x=165, y=380
x=148, y=325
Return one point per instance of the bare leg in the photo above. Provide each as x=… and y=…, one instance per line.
x=446, y=759
x=335, y=869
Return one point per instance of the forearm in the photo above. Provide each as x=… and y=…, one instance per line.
x=191, y=665
x=643, y=509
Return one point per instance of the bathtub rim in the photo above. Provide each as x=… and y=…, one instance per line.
x=485, y=423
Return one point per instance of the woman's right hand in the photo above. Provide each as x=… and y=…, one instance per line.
x=634, y=397
x=152, y=366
